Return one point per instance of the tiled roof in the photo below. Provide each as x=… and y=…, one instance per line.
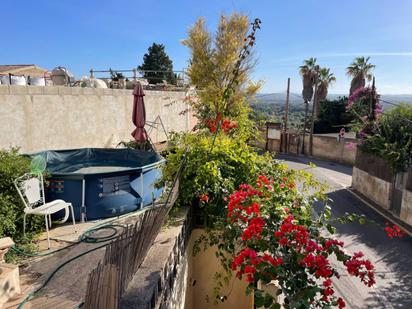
x=9, y=67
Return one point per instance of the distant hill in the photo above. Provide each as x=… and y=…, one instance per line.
x=271, y=106
x=296, y=100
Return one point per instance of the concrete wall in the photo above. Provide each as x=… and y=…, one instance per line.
x=374, y=188
x=325, y=147
x=40, y=118
x=406, y=208
x=379, y=191
x=328, y=148
x=202, y=268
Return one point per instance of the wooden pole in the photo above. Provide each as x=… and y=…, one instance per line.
x=285, y=127
x=304, y=126
x=313, y=112
x=372, y=102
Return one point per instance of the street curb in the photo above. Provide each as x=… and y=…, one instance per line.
x=384, y=213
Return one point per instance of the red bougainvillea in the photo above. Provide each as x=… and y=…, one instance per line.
x=226, y=124
x=286, y=245
x=204, y=198
x=394, y=231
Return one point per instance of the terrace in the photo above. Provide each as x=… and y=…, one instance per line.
x=168, y=197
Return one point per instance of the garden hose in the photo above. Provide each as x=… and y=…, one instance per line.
x=32, y=294
x=86, y=237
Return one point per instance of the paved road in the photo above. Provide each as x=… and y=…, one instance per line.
x=392, y=257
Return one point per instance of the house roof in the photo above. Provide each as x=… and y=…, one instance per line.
x=11, y=67
x=26, y=69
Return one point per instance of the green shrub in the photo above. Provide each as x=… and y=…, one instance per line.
x=392, y=138
x=216, y=171
x=13, y=165
x=333, y=116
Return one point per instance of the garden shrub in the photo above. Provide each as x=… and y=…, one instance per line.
x=13, y=165
x=214, y=168
x=392, y=138
x=333, y=116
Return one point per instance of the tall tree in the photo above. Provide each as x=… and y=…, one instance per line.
x=308, y=73
x=325, y=79
x=156, y=59
x=215, y=67
x=360, y=71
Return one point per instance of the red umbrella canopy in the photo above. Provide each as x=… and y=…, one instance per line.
x=139, y=114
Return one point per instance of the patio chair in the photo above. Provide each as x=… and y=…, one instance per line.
x=31, y=190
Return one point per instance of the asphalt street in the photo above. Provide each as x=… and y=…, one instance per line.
x=392, y=258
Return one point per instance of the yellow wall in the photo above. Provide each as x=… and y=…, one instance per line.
x=202, y=268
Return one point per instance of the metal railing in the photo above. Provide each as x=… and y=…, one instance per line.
x=135, y=74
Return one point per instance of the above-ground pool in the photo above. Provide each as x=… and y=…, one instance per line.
x=102, y=183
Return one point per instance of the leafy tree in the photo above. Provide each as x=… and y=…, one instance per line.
x=325, y=79
x=156, y=59
x=220, y=68
x=333, y=116
x=360, y=70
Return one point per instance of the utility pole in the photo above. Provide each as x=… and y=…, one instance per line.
x=372, y=102
x=313, y=112
x=304, y=126
x=285, y=127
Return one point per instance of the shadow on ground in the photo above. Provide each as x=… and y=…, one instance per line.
x=392, y=257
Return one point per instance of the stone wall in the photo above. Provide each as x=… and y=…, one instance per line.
x=41, y=118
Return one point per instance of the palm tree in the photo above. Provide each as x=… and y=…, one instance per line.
x=325, y=79
x=308, y=73
x=360, y=71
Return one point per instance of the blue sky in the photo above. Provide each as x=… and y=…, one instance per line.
x=81, y=34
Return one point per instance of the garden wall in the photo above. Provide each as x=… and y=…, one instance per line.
x=374, y=188
x=327, y=147
x=39, y=118
x=373, y=178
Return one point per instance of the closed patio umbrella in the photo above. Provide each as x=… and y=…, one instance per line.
x=139, y=114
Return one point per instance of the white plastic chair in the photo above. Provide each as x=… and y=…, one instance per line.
x=31, y=191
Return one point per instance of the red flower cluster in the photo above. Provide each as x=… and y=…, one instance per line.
x=292, y=234
x=319, y=263
x=253, y=260
x=332, y=242
x=341, y=303
x=361, y=268
x=226, y=124
x=204, y=198
x=254, y=228
x=394, y=231
x=237, y=203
